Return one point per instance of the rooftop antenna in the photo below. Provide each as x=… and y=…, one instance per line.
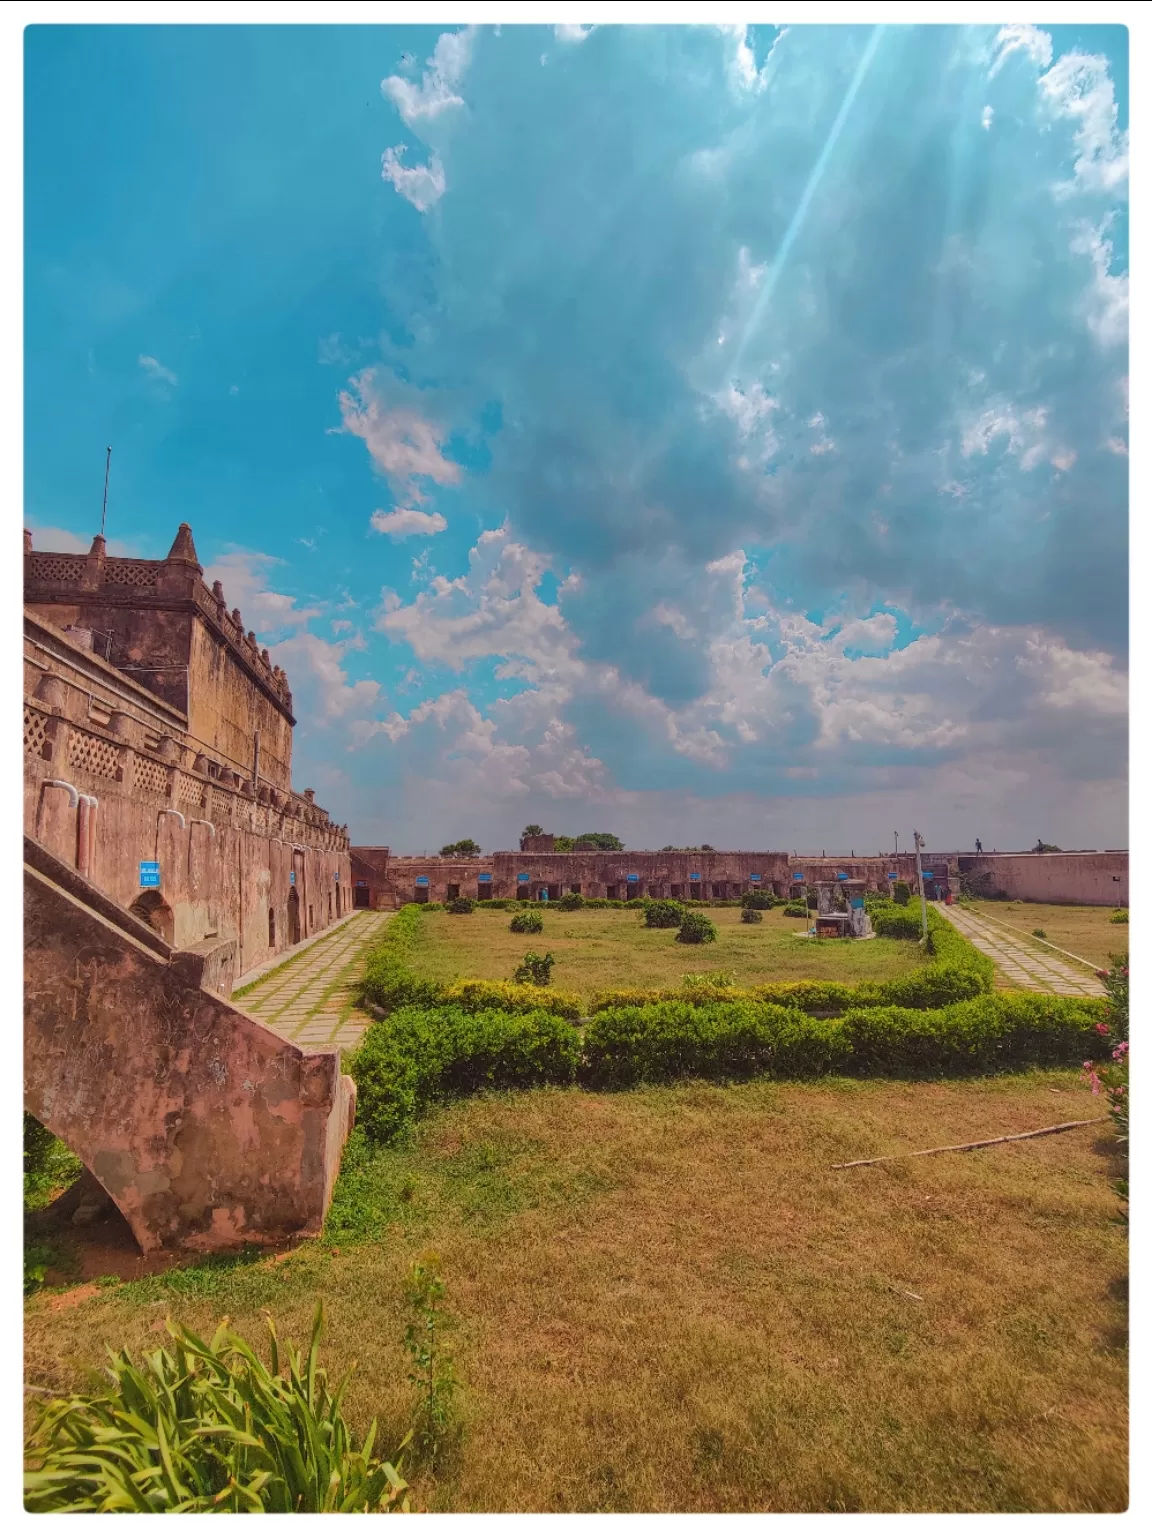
x=107, y=469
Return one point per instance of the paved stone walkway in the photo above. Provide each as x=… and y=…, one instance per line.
x=309, y=999
x=1023, y=964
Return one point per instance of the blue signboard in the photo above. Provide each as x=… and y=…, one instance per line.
x=421, y=879
x=839, y=876
x=633, y=877
x=798, y=875
x=361, y=882
x=522, y=879
x=693, y=877
x=753, y=877
x=485, y=878
x=857, y=901
x=149, y=872
x=892, y=875
x=292, y=877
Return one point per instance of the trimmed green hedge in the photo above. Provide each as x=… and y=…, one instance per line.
x=419, y=1057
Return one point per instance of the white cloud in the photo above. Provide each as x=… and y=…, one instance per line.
x=1079, y=87
x=1021, y=38
x=332, y=351
x=422, y=185
x=1027, y=434
x=876, y=633
x=403, y=523
x=404, y=445
x=568, y=32
x=438, y=89
x=742, y=71
x=60, y=541
x=986, y=117
x=157, y=373
x=245, y=575
x=1106, y=298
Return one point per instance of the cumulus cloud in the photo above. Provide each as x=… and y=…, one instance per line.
x=403, y=444
x=422, y=185
x=405, y=522
x=162, y=378
x=569, y=32
x=1079, y=86
x=437, y=91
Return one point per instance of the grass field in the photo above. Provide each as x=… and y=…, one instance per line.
x=1083, y=931
x=667, y=1300
x=609, y=948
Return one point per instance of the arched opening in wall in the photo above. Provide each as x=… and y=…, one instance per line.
x=72, y=1227
x=271, y=928
x=311, y=919
x=151, y=908
x=293, y=917
x=329, y=906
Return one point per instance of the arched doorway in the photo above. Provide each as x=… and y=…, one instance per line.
x=293, y=917
x=151, y=908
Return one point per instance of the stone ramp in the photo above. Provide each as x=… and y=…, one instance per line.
x=1024, y=965
x=309, y=998
x=207, y=1129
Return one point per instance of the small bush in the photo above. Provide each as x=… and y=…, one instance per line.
x=699, y=981
x=758, y=901
x=1119, y=916
x=209, y=1428
x=1038, y=933
x=476, y=996
x=751, y=915
x=796, y=909
x=663, y=914
x=571, y=901
x=460, y=906
x=695, y=928
x=423, y=1056
x=892, y=923
x=527, y=922
x=901, y=893
x=535, y=969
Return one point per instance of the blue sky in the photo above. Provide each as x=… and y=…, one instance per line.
x=704, y=433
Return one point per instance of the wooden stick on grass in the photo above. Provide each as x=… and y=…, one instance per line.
x=970, y=1146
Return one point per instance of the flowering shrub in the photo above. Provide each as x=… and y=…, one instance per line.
x=1119, y=916
x=1110, y=1076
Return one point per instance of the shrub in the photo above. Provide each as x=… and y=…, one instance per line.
x=695, y=928
x=891, y=922
x=460, y=906
x=663, y=914
x=420, y=1056
x=527, y=922
x=209, y=1428
x=668, y=1041
x=796, y=909
x=758, y=901
x=535, y=969
x=466, y=848
x=1119, y=916
x=571, y=901
x=1038, y=933
x=901, y=893
x=1111, y=1078
x=511, y=996
x=700, y=981
x=751, y=915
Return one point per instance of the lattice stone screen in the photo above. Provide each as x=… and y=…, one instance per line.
x=92, y=754
x=151, y=777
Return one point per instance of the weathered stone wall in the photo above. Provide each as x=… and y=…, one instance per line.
x=369, y=877
x=207, y=1129
x=722, y=875
x=1088, y=879
x=113, y=777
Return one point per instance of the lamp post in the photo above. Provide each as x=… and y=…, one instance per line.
x=919, y=841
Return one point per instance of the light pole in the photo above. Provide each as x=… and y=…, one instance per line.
x=919, y=841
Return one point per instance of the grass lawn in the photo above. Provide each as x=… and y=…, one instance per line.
x=604, y=949
x=667, y=1299
x=1083, y=931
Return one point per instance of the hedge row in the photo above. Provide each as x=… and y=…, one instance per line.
x=419, y=1057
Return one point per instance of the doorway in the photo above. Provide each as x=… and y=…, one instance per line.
x=293, y=917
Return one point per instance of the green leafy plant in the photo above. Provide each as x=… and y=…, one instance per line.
x=663, y=914
x=203, y=1427
x=533, y=829
x=695, y=928
x=758, y=901
x=535, y=969
x=892, y=922
x=699, y=981
x=608, y=841
x=1119, y=916
x=464, y=849
x=796, y=909
x=49, y=1167
x=901, y=893
x=1038, y=933
x=1110, y=1077
x=751, y=915
x=460, y=906
x=432, y=1374
x=527, y=922
x=571, y=901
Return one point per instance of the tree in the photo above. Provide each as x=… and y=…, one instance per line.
x=533, y=829
x=564, y=844
x=1042, y=847
x=464, y=849
x=606, y=840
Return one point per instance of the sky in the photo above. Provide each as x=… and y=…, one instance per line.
x=706, y=434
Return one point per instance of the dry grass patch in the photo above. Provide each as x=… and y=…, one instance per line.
x=606, y=949
x=1084, y=931
x=667, y=1300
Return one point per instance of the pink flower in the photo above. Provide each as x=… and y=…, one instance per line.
x=1103, y=975
x=1101, y=1029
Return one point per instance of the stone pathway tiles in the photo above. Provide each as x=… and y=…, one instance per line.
x=1023, y=964
x=310, y=999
